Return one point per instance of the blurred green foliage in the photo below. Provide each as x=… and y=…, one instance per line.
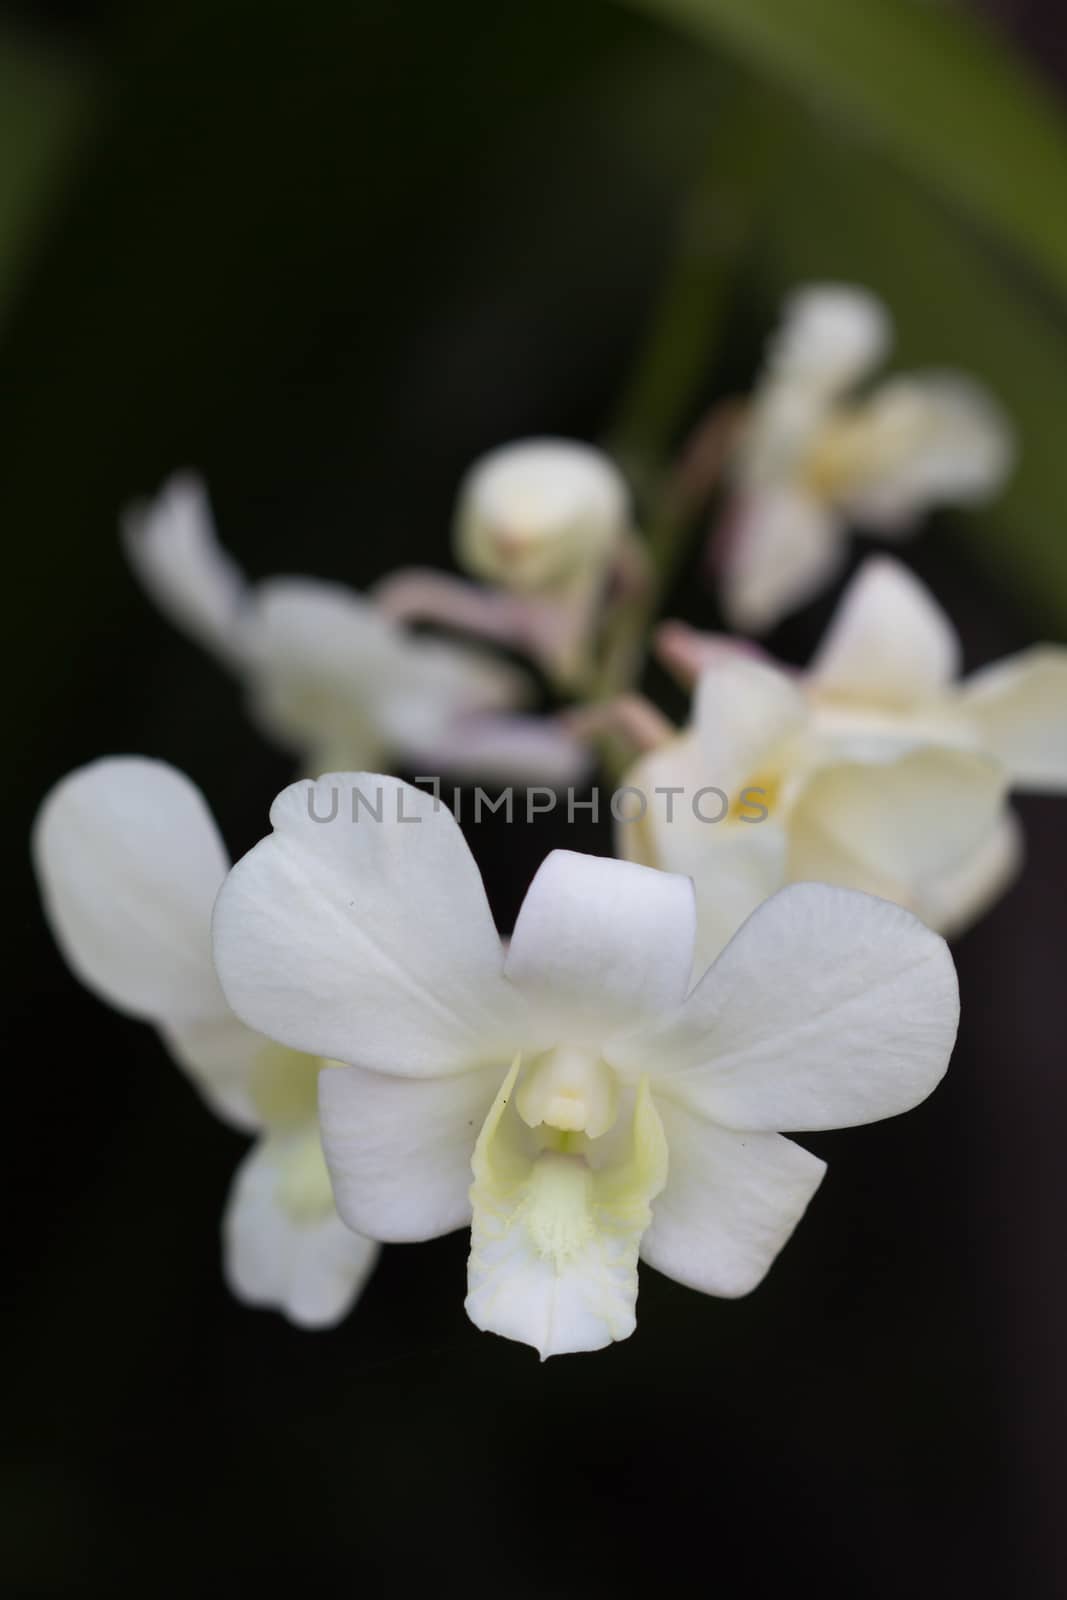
x=928, y=86
x=901, y=145
x=897, y=142
x=45, y=100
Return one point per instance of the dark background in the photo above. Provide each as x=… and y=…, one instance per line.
x=328, y=254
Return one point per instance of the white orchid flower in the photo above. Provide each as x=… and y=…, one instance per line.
x=815, y=459
x=329, y=674
x=605, y=1108
x=129, y=863
x=547, y=523
x=879, y=768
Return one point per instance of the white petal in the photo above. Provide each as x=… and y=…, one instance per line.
x=831, y=336
x=925, y=440
x=744, y=865
x=780, y=548
x=734, y=865
x=601, y=945
x=335, y=679
x=889, y=828
x=359, y=930
x=308, y=625
x=1020, y=706
x=129, y=862
x=745, y=710
x=730, y=1204
x=284, y=1246
x=554, y=1243
x=954, y=901
x=888, y=641
x=650, y=838
x=172, y=546
x=321, y=661
x=399, y=1149
x=435, y=688
x=828, y=1008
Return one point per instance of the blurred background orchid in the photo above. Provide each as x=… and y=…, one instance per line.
x=512, y=331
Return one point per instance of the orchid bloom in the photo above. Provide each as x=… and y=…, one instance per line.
x=604, y=1107
x=129, y=863
x=547, y=524
x=814, y=458
x=329, y=674
x=879, y=769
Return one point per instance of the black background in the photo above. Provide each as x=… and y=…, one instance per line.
x=328, y=254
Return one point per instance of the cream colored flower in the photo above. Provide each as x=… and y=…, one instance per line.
x=815, y=458
x=606, y=1109
x=129, y=863
x=879, y=768
x=328, y=673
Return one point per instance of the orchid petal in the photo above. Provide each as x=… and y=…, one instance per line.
x=952, y=901
x=319, y=655
x=601, y=945
x=924, y=440
x=129, y=862
x=831, y=336
x=888, y=641
x=744, y=712
x=359, y=931
x=399, y=1149
x=735, y=864
x=888, y=828
x=730, y=1203
x=828, y=1008
x=1020, y=706
x=780, y=548
x=440, y=686
x=173, y=548
x=284, y=1246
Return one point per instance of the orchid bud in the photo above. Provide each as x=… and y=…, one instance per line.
x=538, y=515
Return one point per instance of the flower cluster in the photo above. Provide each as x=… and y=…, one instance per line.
x=614, y=1082
x=886, y=772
